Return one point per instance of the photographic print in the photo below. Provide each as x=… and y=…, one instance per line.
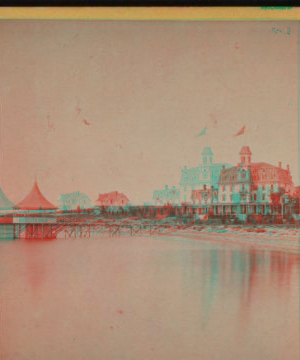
x=149, y=187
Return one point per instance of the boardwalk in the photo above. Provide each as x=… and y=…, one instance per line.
x=84, y=225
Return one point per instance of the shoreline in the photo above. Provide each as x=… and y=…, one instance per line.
x=280, y=243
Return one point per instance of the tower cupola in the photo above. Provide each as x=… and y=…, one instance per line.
x=207, y=156
x=245, y=154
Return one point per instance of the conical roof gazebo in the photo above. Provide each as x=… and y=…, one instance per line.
x=5, y=203
x=35, y=200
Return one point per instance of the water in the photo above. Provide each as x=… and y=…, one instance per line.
x=130, y=298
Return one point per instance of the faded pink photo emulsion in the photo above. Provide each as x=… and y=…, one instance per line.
x=149, y=190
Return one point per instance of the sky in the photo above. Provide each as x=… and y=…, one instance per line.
x=99, y=106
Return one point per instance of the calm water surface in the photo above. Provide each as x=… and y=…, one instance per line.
x=129, y=298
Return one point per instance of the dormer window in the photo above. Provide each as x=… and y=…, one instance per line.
x=204, y=160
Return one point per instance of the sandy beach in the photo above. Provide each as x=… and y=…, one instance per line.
x=283, y=239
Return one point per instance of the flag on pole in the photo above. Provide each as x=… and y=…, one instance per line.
x=241, y=132
x=203, y=132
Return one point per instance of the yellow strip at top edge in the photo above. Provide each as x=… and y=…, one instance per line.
x=149, y=13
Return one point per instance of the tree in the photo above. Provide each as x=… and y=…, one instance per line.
x=276, y=197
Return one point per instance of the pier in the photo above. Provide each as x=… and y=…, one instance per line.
x=84, y=226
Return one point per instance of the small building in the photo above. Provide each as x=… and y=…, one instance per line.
x=5, y=204
x=113, y=198
x=205, y=174
x=206, y=196
x=35, y=201
x=75, y=200
x=166, y=196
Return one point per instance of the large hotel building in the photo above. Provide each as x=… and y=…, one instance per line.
x=224, y=189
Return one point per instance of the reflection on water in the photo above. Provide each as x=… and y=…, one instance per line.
x=139, y=298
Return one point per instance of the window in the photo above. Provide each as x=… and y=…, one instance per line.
x=263, y=187
x=243, y=159
x=243, y=187
x=254, y=197
x=263, y=197
x=231, y=198
x=224, y=188
x=223, y=198
x=232, y=188
x=272, y=187
x=205, y=160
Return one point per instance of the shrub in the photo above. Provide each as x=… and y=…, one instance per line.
x=251, y=219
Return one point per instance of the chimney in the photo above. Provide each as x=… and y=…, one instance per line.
x=279, y=164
